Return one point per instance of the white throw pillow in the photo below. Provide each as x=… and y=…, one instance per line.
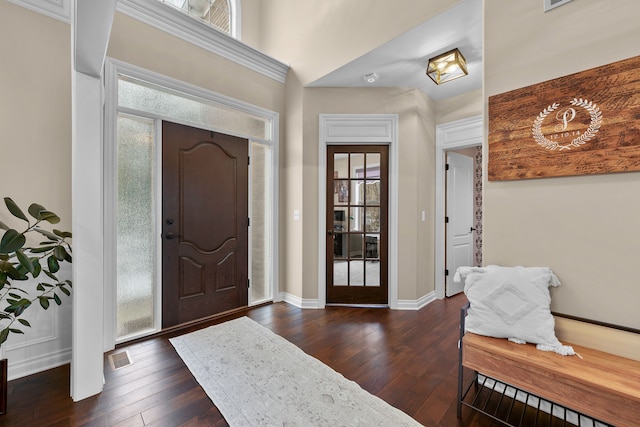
x=513, y=303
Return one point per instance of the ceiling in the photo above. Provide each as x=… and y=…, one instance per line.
x=402, y=62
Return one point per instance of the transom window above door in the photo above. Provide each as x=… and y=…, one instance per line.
x=216, y=13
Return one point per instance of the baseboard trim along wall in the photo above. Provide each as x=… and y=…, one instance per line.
x=33, y=365
x=314, y=303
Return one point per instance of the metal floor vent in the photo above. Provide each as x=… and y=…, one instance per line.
x=119, y=360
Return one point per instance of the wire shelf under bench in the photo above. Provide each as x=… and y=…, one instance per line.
x=513, y=406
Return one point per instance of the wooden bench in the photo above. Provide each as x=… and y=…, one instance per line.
x=600, y=385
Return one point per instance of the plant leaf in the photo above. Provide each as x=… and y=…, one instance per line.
x=51, y=275
x=11, y=241
x=14, y=209
x=3, y=335
x=41, y=249
x=3, y=226
x=15, y=331
x=59, y=253
x=63, y=234
x=25, y=261
x=50, y=217
x=18, y=307
x=37, y=268
x=41, y=213
x=35, y=209
x=24, y=322
x=44, y=302
x=52, y=262
x=66, y=291
x=46, y=233
x=57, y=299
x=10, y=270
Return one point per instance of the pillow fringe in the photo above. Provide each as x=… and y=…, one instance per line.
x=564, y=350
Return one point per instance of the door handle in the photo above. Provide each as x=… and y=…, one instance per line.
x=329, y=233
x=170, y=236
x=472, y=229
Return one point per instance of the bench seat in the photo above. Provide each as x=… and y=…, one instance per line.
x=601, y=385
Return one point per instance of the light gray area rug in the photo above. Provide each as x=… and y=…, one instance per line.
x=257, y=378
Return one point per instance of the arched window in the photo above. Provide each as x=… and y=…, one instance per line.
x=220, y=14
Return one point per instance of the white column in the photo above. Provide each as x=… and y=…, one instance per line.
x=90, y=29
x=87, y=356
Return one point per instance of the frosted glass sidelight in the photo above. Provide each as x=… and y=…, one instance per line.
x=149, y=98
x=261, y=235
x=136, y=222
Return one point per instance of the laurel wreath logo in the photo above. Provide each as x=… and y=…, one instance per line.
x=594, y=126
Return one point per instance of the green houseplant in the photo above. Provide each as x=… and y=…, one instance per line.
x=22, y=260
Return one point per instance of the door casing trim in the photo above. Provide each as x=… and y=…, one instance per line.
x=359, y=129
x=462, y=133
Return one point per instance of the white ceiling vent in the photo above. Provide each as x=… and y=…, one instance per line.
x=550, y=4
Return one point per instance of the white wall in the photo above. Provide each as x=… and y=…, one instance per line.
x=585, y=228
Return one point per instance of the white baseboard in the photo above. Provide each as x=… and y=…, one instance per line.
x=408, y=304
x=33, y=365
x=313, y=303
x=297, y=301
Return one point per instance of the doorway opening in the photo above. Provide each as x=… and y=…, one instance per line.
x=463, y=213
x=457, y=135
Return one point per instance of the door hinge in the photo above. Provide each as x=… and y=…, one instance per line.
x=446, y=272
x=248, y=283
x=249, y=160
x=446, y=167
x=446, y=220
x=248, y=222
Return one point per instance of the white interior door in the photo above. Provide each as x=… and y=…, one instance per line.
x=459, y=211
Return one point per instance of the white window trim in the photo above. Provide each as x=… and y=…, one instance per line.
x=113, y=68
x=352, y=129
x=235, y=8
x=163, y=17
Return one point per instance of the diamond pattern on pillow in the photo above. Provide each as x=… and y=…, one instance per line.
x=509, y=303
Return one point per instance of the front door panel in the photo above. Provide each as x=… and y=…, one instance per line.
x=205, y=210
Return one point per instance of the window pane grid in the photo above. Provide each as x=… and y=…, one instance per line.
x=212, y=12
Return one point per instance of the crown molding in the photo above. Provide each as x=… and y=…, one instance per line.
x=57, y=9
x=179, y=24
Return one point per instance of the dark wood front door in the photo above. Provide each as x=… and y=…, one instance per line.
x=204, y=223
x=356, y=223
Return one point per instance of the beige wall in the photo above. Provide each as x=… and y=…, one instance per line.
x=35, y=111
x=585, y=228
x=416, y=187
x=459, y=107
x=316, y=37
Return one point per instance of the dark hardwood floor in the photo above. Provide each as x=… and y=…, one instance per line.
x=407, y=358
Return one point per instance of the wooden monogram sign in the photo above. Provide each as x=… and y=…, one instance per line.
x=584, y=123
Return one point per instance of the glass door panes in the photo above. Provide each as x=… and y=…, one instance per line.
x=358, y=211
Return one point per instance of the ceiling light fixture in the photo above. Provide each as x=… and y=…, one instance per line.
x=447, y=66
x=371, y=78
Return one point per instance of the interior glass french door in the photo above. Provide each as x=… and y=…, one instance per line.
x=357, y=187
